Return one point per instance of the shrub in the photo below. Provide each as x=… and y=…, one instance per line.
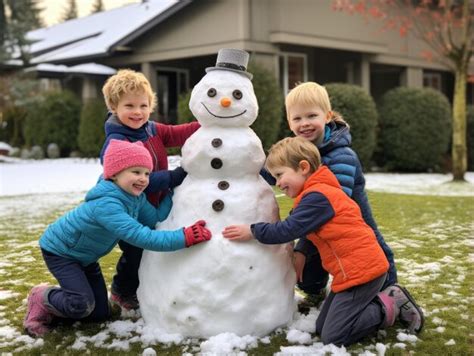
x=415, y=128
x=184, y=113
x=470, y=138
x=11, y=129
x=270, y=102
x=358, y=109
x=91, y=128
x=55, y=119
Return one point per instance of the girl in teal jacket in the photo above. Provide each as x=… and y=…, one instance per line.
x=115, y=209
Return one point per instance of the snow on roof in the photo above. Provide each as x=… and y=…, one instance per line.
x=97, y=34
x=86, y=68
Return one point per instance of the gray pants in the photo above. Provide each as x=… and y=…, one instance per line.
x=350, y=315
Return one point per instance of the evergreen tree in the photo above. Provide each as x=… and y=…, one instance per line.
x=3, y=31
x=71, y=11
x=98, y=6
x=17, y=17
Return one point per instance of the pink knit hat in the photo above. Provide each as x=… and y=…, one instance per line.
x=121, y=155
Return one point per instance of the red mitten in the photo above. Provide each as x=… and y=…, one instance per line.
x=196, y=233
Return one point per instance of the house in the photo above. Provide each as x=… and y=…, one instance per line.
x=172, y=42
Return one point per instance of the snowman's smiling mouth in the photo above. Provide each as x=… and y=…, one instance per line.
x=223, y=117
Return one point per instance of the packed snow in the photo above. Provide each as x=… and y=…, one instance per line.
x=228, y=281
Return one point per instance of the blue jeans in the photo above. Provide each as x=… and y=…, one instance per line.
x=125, y=281
x=82, y=294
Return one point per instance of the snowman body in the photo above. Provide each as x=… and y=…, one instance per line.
x=220, y=286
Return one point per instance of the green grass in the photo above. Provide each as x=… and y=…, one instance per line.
x=432, y=238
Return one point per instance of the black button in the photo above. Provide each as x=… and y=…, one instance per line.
x=216, y=163
x=223, y=185
x=218, y=205
x=217, y=142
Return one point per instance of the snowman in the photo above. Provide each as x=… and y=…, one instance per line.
x=220, y=286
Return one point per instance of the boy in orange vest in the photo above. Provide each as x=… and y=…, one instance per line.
x=356, y=306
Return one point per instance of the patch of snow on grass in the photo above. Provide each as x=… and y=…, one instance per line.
x=298, y=337
x=227, y=343
x=6, y=294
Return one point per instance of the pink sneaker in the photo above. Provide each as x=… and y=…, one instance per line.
x=38, y=317
x=410, y=313
x=390, y=308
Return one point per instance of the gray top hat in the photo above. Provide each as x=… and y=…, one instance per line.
x=232, y=59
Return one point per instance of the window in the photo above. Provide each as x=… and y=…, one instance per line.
x=171, y=83
x=293, y=70
x=432, y=80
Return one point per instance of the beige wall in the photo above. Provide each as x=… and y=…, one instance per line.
x=314, y=23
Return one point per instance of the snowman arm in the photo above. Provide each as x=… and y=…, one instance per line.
x=113, y=217
x=313, y=211
x=176, y=135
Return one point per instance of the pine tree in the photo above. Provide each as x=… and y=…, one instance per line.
x=98, y=6
x=71, y=11
x=3, y=31
x=17, y=17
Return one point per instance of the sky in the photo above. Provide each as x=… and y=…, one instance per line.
x=54, y=9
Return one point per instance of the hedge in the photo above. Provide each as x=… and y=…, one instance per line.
x=91, y=128
x=470, y=138
x=11, y=130
x=358, y=109
x=415, y=129
x=54, y=120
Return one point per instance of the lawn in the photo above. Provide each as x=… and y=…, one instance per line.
x=432, y=237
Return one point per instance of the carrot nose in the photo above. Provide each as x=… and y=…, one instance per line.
x=225, y=102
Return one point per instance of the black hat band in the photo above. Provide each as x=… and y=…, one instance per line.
x=230, y=66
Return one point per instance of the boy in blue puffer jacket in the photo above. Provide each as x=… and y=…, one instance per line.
x=115, y=209
x=310, y=116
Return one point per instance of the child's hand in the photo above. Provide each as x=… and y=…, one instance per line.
x=196, y=233
x=238, y=233
x=299, y=260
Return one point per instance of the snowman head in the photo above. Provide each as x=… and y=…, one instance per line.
x=225, y=95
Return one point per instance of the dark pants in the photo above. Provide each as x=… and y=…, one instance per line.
x=350, y=315
x=82, y=294
x=315, y=277
x=125, y=281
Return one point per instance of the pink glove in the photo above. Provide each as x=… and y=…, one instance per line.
x=196, y=233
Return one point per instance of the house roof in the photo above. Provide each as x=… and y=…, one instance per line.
x=99, y=34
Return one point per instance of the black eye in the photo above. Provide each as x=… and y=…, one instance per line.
x=211, y=92
x=237, y=94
